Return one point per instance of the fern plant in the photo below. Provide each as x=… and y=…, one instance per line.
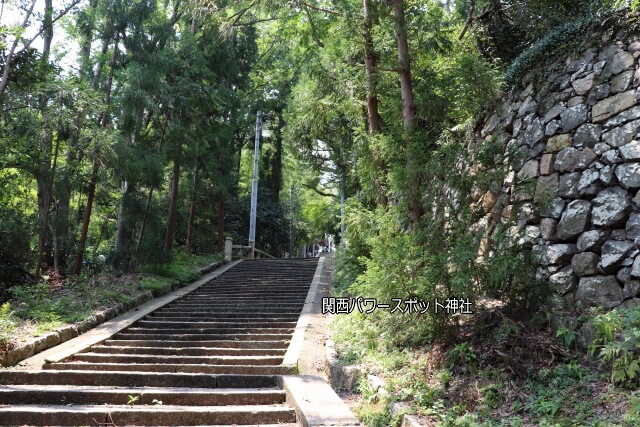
x=617, y=344
x=567, y=336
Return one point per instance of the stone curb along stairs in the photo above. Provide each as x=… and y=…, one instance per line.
x=212, y=353
x=578, y=131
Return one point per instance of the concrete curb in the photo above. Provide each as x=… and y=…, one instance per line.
x=410, y=421
x=36, y=348
x=315, y=402
x=295, y=347
x=340, y=377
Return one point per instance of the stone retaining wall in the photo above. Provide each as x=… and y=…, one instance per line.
x=578, y=132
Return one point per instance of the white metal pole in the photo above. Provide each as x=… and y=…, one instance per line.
x=342, y=225
x=254, y=186
x=291, y=220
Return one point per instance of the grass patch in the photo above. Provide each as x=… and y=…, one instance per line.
x=184, y=266
x=43, y=307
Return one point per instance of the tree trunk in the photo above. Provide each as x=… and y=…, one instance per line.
x=44, y=177
x=192, y=205
x=63, y=225
x=85, y=45
x=91, y=192
x=48, y=29
x=408, y=110
x=124, y=230
x=373, y=115
x=77, y=265
x=145, y=217
x=173, y=205
x=63, y=220
x=44, y=200
x=406, y=83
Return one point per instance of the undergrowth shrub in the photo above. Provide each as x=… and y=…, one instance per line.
x=7, y=325
x=450, y=258
x=182, y=266
x=617, y=344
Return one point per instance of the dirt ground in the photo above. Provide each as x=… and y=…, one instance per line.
x=312, y=358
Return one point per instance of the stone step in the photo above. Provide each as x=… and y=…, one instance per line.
x=250, y=291
x=136, y=379
x=264, y=299
x=243, y=309
x=225, y=314
x=172, y=367
x=275, y=282
x=248, y=307
x=205, y=330
x=97, y=395
x=188, y=351
x=189, y=323
x=233, y=304
x=272, y=280
x=156, y=415
x=204, y=337
x=196, y=316
x=175, y=360
x=215, y=323
x=266, y=344
x=267, y=297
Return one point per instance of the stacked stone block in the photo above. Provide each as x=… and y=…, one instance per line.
x=578, y=130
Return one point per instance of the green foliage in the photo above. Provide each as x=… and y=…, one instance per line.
x=7, y=325
x=632, y=416
x=507, y=331
x=373, y=414
x=32, y=297
x=462, y=356
x=567, y=336
x=373, y=409
x=354, y=335
x=183, y=268
x=158, y=285
x=15, y=231
x=272, y=223
x=49, y=308
x=617, y=344
x=444, y=257
x=412, y=384
x=560, y=40
x=511, y=27
x=132, y=400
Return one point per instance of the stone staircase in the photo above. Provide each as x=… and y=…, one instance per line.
x=212, y=357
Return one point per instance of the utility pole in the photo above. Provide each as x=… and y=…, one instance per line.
x=291, y=221
x=254, y=186
x=342, y=225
